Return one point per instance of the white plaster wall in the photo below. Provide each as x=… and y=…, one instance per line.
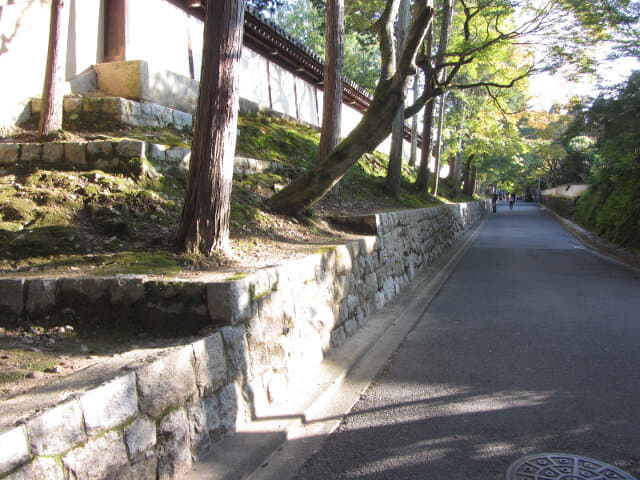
x=350, y=118
x=85, y=45
x=158, y=36
x=24, y=33
x=307, y=106
x=254, y=77
x=196, y=31
x=281, y=84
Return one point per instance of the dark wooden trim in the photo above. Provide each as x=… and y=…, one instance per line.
x=115, y=30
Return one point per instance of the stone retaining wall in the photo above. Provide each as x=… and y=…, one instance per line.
x=274, y=328
x=118, y=156
x=105, y=109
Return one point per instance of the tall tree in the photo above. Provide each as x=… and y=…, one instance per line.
x=52, y=92
x=435, y=76
x=436, y=170
x=204, y=225
x=480, y=27
x=394, y=173
x=333, y=67
x=375, y=124
x=414, y=126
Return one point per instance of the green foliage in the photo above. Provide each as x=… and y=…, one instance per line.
x=305, y=20
x=277, y=140
x=612, y=206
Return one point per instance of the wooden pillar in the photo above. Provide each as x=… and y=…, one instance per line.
x=115, y=30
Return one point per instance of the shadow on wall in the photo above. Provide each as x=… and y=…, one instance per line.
x=5, y=40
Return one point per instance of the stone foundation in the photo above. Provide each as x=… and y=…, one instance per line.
x=273, y=328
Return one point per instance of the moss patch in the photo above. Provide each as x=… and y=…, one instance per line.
x=21, y=362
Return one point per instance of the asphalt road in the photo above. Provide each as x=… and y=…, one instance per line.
x=533, y=345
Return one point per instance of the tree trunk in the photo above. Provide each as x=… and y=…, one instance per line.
x=414, y=127
x=52, y=92
x=334, y=66
x=422, y=182
x=438, y=145
x=467, y=176
x=374, y=126
x=394, y=173
x=204, y=225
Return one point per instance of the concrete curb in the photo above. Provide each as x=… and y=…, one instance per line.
x=277, y=447
x=620, y=255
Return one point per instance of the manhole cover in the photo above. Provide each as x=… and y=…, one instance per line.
x=563, y=466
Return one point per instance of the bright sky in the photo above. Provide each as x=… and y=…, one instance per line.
x=547, y=89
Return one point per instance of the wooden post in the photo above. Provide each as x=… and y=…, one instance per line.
x=115, y=30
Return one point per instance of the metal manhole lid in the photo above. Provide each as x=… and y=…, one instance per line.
x=563, y=466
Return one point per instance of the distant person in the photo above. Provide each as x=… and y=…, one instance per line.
x=494, y=201
x=512, y=200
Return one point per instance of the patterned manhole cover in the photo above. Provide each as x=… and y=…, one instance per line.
x=563, y=466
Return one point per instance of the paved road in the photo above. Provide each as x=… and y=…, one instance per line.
x=533, y=345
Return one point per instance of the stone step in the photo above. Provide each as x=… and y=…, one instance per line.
x=103, y=110
x=119, y=156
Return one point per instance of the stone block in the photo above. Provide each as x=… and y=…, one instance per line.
x=166, y=382
x=237, y=349
x=36, y=106
x=173, y=307
x=127, y=289
x=88, y=297
x=230, y=303
x=57, y=430
x=178, y=156
x=370, y=284
x=350, y=326
x=14, y=449
x=100, y=148
x=232, y=408
x=12, y=296
x=110, y=405
x=389, y=289
x=156, y=153
x=9, y=153
x=338, y=337
x=379, y=301
x=214, y=424
x=105, y=163
x=75, y=153
x=41, y=468
x=104, y=457
x=210, y=363
x=198, y=430
x=41, y=296
x=140, y=437
x=145, y=468
x=163, y=115
x=72, y=105
x=115, y=107
x=130, y=149
x=53, y=152
x=182, y=120
x=92, y=104
x=174, y=446
x=30, y=152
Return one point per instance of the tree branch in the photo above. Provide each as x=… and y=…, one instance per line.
x=384, y=28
